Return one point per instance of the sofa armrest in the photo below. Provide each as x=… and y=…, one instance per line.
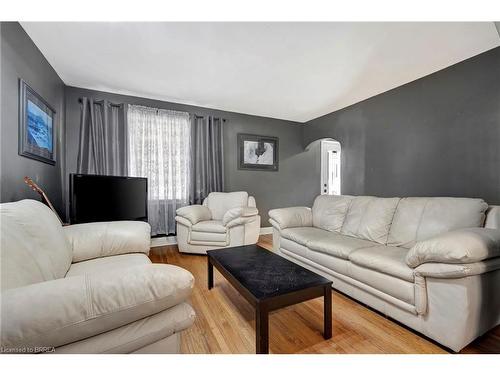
x=61, y=311
x=239, y=212
x=195, y=213
x=95, y=240
x=457, y=271
x=242, y=220
x=183, y=221
x=461, y=246
x=290, y=217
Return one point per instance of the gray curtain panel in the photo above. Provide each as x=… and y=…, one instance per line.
x=103, y=138
x=207, y=157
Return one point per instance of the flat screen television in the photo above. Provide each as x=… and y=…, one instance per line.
x=107, y=198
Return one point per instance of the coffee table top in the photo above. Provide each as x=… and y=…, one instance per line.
x=263, y=273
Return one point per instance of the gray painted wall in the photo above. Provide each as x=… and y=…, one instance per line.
x=289, y=186
x=20, y=58
x=437, y=136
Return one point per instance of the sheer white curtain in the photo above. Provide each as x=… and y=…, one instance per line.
x=159, y=149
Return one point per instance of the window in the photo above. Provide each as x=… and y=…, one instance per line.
x=158, y=148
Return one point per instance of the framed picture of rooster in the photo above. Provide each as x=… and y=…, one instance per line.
x=257, y=152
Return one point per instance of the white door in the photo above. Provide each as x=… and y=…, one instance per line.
x=330, y=167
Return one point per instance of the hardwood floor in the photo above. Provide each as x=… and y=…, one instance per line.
x=225, y=321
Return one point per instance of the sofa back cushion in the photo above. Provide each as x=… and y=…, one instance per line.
x=370, y=218
x=34, y=247
x=220, y=203
x=329, y=211
x=492, y=217
x=418, y=219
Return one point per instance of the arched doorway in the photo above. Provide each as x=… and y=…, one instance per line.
x=331, y=151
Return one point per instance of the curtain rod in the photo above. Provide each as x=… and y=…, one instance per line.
x=80, y=100
x=200, y=116
x=119, y=105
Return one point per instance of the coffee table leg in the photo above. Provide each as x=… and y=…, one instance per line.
x=210, y=274
x=327, y=313
x=261, y=330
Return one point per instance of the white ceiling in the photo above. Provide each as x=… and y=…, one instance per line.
x=292, y=71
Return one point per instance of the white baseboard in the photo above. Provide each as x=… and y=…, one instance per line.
x=266, y=230
x=163, y=241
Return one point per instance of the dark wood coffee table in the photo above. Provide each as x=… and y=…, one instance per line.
x=269, y=282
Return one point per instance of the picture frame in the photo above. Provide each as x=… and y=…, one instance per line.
x=36, y=126
x=258, y=152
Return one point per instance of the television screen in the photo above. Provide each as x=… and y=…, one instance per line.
x=107, y=198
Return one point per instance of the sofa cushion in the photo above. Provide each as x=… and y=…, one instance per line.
x=418, y=219
x=492, y=217
x=385, y=286
x=329, y=211
x=74, y=308
x=301, y=235
x=19, y=258
x=386, y=259
x=396, y=287
x=294, y=247
x=34, y=247
x=208, y=237
x=370, y=218
x=220, y=203
x=213, y=226
x=337, y=245
x=136, y=335
x=330, y=265
x=107, y=264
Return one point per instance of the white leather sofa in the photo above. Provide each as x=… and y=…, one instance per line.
x=87, y=288
x=223, y=220
x=433, y=264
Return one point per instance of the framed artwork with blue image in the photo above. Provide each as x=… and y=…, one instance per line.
x=36, y=125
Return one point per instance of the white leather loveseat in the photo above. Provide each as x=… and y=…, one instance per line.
x=223, y=220
x=87, y=288
x=431, y=263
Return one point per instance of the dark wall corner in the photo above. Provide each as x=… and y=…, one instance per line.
x=20, y=58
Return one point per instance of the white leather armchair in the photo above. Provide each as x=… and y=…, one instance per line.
x=86, y=288
x=223, y=220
